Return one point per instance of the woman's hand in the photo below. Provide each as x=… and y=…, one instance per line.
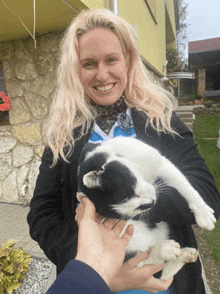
x=131, y=277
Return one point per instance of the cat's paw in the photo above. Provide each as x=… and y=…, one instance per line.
x=204, y=215
x=173, y=266
x=170, y=250
x=188, y=255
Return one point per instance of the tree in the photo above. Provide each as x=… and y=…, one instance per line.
x=182, y=32
x=172, y=57
x=176, y=57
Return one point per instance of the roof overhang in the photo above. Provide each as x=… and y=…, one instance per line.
x=50, y=15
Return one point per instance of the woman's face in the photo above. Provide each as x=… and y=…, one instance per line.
x=103, y=67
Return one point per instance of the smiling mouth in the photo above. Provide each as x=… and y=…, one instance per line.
x=105, y=88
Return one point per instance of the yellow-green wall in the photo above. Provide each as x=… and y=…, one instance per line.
x=151, y=36
x=151, y=33
x=93, y=4
x=170, y=6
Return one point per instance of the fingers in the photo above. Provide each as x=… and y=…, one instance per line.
x=79, y=195
x=118, y=226
x=111, y=223
x=155, y=268
x=108, y=222
x=138, y=258
x=86, y=210
x=159, y=284
x=98, y=218
x=90, y=210
x=128, y=234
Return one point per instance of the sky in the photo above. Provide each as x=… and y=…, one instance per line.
x=203, y=20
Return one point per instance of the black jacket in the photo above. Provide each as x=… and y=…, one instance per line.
x=52, y=208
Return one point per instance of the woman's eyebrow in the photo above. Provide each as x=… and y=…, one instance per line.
x=94, y=58
x=87, y=59
x=112, y=54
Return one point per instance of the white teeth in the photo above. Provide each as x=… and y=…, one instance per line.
x=105, y=88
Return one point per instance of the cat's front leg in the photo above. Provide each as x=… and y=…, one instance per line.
x=204, y=214
x=172, y=176
x=173, y=266
x=167, y=250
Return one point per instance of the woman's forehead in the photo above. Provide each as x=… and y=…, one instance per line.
x=98, y=41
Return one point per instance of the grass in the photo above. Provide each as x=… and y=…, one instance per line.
x=207, y=126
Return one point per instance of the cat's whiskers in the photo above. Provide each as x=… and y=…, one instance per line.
x=153, y=181
x=160, y=186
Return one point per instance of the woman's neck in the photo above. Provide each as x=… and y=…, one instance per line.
x=107, y=115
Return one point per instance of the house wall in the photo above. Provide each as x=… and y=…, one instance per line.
x=151, y=35
x=30, y=80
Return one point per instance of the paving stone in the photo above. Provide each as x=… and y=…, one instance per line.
x=13, y=225
x=30, y=245
x=36, y=248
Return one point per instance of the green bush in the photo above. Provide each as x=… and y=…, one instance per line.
x=13, y=266
x=198, y=96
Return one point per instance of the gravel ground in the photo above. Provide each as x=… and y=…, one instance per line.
x=36, y=278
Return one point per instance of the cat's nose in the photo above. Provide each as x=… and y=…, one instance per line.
x=146, y=206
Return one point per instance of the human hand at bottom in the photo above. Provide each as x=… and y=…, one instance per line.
x=99, y=245
x=131, y=277
x=120, y=277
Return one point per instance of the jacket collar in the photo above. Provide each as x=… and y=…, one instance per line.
x=145, y=134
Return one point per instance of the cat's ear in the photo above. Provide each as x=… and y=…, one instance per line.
x=92, y=179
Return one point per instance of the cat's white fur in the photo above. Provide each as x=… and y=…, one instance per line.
x=147, y=164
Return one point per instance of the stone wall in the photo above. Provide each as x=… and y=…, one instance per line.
x=30, y=81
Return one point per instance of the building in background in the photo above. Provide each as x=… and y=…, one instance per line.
x=204, y=60
x=28, y=66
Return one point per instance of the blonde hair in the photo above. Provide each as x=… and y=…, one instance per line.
x=71, y=108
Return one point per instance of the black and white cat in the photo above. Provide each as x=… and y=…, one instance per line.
x=119, y=177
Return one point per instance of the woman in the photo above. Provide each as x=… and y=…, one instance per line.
x=105, y=91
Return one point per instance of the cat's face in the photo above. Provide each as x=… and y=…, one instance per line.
x=115, y=186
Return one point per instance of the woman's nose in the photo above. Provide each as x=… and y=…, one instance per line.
x=102, y=73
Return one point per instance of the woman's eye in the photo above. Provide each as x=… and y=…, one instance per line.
x=111, y=60
x=88, y=64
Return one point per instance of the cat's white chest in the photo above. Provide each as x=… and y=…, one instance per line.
x=144, y=237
